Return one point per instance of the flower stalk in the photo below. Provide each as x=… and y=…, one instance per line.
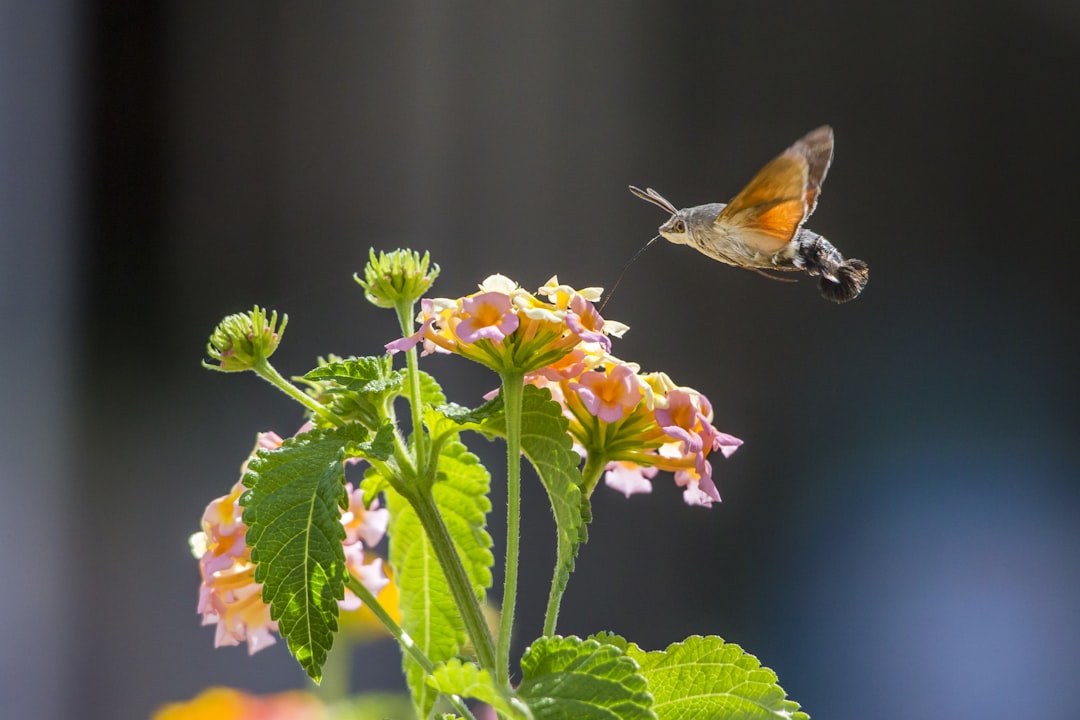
x=460, y=585
x=403, y=640
x=512, y=391
x=269, y=373
x=404, y=310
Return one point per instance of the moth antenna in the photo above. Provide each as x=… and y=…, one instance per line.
x=665, y=203
x=653, y=197
x=623, y=271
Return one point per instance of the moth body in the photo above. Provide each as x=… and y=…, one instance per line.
x=761, y=228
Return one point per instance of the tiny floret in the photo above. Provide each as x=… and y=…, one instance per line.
x=488, y=316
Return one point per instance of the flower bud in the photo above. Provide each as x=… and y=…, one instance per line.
x=243, y=339
x=398, y=276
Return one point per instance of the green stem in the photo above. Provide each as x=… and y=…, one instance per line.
x=402, y=637
x=460, y=585
x=335, y=672
x=551, y=616
x=266, y=371
x=512, y=392
x=405, y=319
x=590, y=475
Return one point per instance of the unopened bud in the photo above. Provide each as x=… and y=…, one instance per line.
x=398, y=276
x=243, y=339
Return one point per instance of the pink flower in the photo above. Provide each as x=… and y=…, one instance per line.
x=364, y=524
x=566, y=368
x=586, y=322
x=223, y=532
x=409, y=342
x=370, y=574
x=726, y=444
x=694, y=494
x=609, y=396
x=629, y=478
x=684, y=418
x=229, y=596
x=489, y=316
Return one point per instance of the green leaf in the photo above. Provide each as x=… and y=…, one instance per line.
x=429, y=614
x=363, y=375
x=468, y=680
x=463, y=415
x=380, y=447
x=704, y=677
x=293, y=514
x=582, y=679
x=430, y=391
x=357, y=388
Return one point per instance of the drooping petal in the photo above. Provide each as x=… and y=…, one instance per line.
x=629, y=478
x=726, y=444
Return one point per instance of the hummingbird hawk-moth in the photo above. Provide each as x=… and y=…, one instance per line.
x=761, y=229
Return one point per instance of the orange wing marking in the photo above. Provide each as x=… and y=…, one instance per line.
x=770, y=209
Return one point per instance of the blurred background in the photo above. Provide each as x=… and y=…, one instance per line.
x=899, y=535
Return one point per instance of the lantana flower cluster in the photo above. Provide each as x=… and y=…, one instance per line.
x=229, y=596
x=635, y=424
x=509, y=329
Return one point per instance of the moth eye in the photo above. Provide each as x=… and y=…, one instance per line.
x=679, y=227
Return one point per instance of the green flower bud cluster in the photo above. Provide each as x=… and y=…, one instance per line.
x=396, y=277
x=242, y=340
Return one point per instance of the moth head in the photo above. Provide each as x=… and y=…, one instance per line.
x=677, y=229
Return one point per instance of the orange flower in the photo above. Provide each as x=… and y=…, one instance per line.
x=220, y=703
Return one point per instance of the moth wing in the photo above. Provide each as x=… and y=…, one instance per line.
x=816, y=147
x=768, y=212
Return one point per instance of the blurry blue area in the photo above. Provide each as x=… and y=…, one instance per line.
x=898, y=537
x=950, y=574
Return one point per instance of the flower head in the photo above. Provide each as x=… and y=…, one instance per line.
x=509, y=329
x=398, y=276
x=242, y=340
x=636, y=424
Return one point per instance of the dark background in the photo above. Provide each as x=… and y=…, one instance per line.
x=899, y=535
